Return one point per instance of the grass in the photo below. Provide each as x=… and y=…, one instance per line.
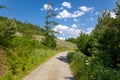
x=86, y=68
x=23, y=51
x=25, y=65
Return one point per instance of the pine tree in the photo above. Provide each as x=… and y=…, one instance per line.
x=50, y=34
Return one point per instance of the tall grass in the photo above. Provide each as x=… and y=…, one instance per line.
x=22, y=66
x=86, y=68
x=24, y=55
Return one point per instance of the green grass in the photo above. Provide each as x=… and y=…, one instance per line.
x=22, y=66
x=86, y=68
x=23, y=52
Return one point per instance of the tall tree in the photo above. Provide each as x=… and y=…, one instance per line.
x=117, y=10
x=4, y=7
x=49, y=24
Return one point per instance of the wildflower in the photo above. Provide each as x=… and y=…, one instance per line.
x=87, y=63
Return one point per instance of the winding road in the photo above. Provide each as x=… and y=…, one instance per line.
x=56, y=68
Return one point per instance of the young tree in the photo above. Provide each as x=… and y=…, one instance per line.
x=8, y=30
x=50, y=37
x=117, y=10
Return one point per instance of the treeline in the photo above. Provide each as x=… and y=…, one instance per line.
x=101, y=50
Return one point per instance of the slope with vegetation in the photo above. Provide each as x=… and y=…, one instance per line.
x=98, y=55
x=20, y=48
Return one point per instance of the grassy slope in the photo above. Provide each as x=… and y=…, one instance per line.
x=24, y=52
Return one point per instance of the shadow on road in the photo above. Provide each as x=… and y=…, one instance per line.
x=63, y=58
x=69, y=78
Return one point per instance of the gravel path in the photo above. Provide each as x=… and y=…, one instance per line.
x=55, y=68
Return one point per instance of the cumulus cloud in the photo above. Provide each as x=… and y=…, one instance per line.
x=77, y=14
x=68, y=31
x=61, y=38
x=112, y=14
x=66, y=14
x=97, y=13
x=91, y=19
x=47, y=6
x=85, y=9
x=65, y=19
x=76, y=20
x=63, y=14
x=66, y=4
x=74, y=26
x=61, y=8
x=56, y=9
x=60, y=28
x=89, y=30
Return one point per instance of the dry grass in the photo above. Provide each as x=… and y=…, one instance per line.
x=66, y=44
x=3, y=68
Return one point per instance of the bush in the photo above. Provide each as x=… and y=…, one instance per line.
x=88, y=68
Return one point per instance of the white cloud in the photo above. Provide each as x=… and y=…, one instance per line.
x=67, y=32
x=60, y=28
x=89, y=30
x=91, y=19
x=74, y=26
x=112, y=14
x=66, y=14
x=61, y=38
x=66, y=4
x=56, y=9
x=47, y=6
x=77, y=14
x=63, y=14
x=97, y=13
x=85, y=9
x=65, y=19
x=76, y=20
x=61, y=8
x=42, y=9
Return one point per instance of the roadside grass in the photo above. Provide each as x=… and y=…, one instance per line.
x=23, y=66
x=86, y=68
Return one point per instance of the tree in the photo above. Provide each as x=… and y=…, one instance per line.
x=4, y=7
x=50, y=37
x=117, y=10
x=107, y=33
x=8, y=30
x=82, y=43
x=73, y=40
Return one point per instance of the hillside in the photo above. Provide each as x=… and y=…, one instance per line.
x=21, y=49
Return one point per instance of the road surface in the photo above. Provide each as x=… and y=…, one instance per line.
x=56, y=68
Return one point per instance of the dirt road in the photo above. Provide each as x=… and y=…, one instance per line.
x=55, y=68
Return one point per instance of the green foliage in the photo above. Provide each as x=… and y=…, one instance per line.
x=65, y=45
x=117, y=10
x=23, y=56
x=85, y=44
x=100, y=55
x=73, y=40
x=26, y=29
x=22, y=52
x=49, y=41
x=50, y=38
x=3, y=7
x=104, y=38
x=8, y=30
x=89, y=68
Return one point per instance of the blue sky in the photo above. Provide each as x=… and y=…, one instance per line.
x=73, y=16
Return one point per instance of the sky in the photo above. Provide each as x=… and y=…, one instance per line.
x=73, y=16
